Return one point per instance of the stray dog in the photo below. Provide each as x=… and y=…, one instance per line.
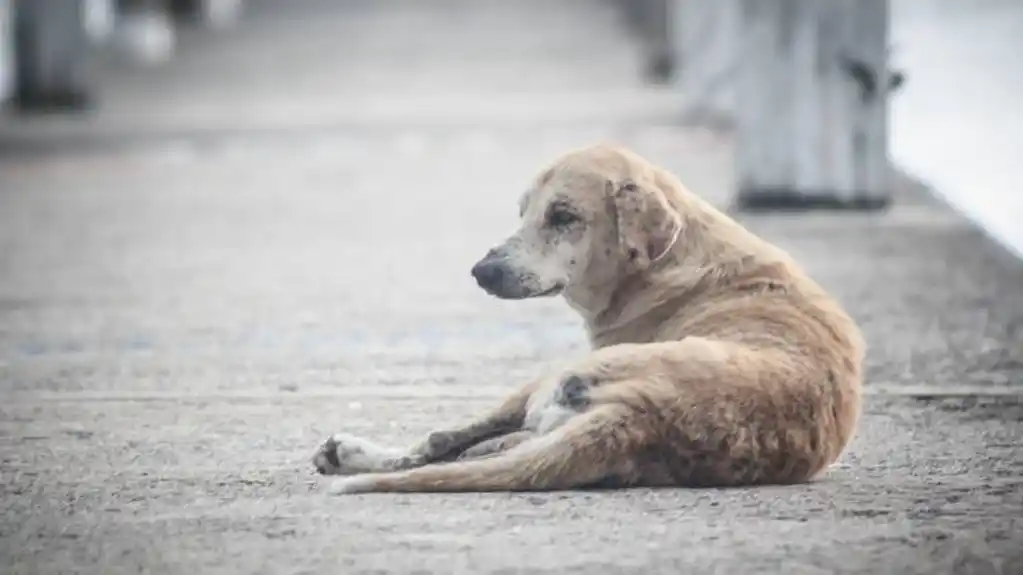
x=717, y=361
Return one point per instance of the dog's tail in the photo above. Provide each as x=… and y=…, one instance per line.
x=594, y=448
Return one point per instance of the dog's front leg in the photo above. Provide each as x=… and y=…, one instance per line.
x=345, y=454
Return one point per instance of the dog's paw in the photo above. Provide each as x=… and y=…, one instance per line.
x=351, y=485
x=343, y=454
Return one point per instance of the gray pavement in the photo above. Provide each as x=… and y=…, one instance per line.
x=270, y=240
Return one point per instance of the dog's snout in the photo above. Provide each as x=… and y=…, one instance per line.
x=488, y=272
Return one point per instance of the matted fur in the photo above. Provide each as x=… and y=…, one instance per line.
x=717, y=361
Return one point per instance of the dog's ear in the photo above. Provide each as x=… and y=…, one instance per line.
x=647, y=226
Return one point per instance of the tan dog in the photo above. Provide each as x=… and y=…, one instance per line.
x=717, y=361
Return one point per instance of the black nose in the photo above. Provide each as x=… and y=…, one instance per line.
x=488, y=273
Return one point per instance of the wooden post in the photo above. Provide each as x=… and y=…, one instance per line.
x=50, y=51
x=811, y=114
x=707, y=37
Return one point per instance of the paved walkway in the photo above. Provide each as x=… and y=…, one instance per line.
x=270, y=241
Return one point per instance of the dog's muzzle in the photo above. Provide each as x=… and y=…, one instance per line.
x=492, y=273
x=499, y=278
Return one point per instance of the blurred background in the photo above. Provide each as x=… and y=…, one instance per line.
x=229, y=228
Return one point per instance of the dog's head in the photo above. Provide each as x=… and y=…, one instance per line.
x=586, y=222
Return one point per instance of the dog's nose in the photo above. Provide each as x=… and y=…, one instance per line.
x=488, y=273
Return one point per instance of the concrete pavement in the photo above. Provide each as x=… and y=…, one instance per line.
x=226, y=264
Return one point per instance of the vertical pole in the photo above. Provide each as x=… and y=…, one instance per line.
x=707, y=33
x=658, y=34
x=811, y=113
x=51, y=50
x=215, y=14
x=651, y=22
x=6, y=50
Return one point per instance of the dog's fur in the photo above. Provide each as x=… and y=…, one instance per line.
x=716, y=362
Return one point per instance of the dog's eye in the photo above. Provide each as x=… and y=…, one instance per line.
x=561, y=218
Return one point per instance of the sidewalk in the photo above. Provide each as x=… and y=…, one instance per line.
x=225, y=265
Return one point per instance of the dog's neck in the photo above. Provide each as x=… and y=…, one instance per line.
x=712, y=249
x=645, y=296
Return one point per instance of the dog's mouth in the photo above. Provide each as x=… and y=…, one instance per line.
x=522, y=294
x=551, y=291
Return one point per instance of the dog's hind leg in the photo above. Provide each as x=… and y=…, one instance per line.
x=596, y=447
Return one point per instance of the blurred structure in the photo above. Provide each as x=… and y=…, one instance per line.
x=804, y=84
x=6, y=49
x=46, y=46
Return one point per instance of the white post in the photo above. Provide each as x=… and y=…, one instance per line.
x=811, y=114
x=706, y=36
x=660, y=50
x=651, y=21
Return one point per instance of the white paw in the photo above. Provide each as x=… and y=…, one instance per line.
x=343, y=454
x=351, y=485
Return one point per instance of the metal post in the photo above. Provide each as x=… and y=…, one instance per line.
x=51, y=49
x=811, y=113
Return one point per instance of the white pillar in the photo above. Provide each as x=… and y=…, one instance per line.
x=706, y=36
x=812, y=101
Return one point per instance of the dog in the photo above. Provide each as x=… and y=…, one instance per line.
x=716, y=360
